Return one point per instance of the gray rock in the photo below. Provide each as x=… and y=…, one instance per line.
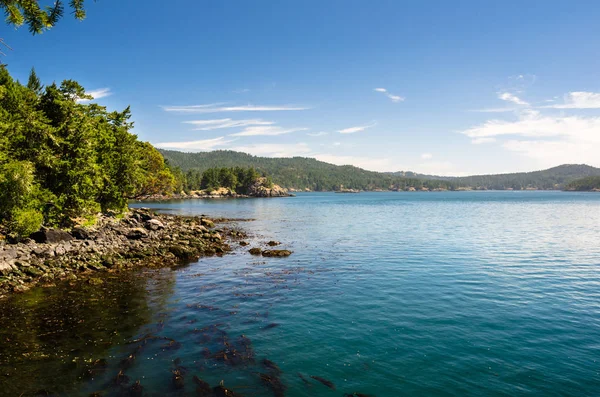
x=154, y=224
x=50, y=236
x=80, y=233
x=137, y=234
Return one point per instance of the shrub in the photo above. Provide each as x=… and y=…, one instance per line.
x=25, y=222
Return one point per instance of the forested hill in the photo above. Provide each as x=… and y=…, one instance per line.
x=296, y=172
x=302, y=173
x=552, y=178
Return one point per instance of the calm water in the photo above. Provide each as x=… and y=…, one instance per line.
x=387, y=294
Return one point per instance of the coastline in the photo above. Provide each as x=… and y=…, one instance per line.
x=141, y=238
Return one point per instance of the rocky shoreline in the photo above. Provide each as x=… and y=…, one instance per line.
x=141, y=238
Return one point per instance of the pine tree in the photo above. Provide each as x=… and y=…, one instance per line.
x=34, y=83
x=37, y=17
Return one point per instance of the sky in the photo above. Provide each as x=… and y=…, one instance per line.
x=436, y=87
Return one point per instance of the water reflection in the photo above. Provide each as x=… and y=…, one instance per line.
x=53, y=338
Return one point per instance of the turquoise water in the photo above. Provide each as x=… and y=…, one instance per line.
x=386, y=294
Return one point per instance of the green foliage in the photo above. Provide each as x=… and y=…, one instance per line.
x=38, y=17
x=237, y=179
x=67, y=160
x=585, y=184
x=26, y=221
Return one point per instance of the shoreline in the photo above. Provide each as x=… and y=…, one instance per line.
x=141, y=238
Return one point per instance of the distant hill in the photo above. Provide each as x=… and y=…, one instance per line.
x=308, y=173
x=552, y=178
x=587, y=184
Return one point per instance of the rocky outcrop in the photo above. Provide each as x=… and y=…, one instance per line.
x=141, y=238
x=260, y=188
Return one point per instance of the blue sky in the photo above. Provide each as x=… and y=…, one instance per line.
x=441, y=87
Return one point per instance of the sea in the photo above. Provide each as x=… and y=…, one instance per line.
x=481, y=293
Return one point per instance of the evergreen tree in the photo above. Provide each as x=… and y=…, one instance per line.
x=38, y=17
x=34, y=83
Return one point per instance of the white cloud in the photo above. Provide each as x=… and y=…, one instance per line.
x=97, y=94
x=359, y=128
x=322, y=133
x=216, y=108
x=394, y=98
x=201, y=145
x=479, y=141
x=242, y=91
x=266, y=131
x=507, y=96
x=427, y=156
x=207, y=125
x=274, y=150
x=337, y=143
x=579, y=100
x=551, y=140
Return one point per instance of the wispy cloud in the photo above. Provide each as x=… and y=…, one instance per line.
x=97, y=94
x=394, y=98
x=241, y=91
x=208, y=125
x=507, y=96
x=200, y=145
x=266, y=131
x=579, y=100
x=427, y=156
x=215, y=108
x=322, y=133
x=359, y=128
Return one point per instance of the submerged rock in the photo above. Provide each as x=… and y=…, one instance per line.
x=276, y=253
x=255, y=251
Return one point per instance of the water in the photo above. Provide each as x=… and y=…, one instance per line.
x=387, y=294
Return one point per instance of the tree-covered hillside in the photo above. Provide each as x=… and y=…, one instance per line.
x=301, y=173
x=552, y=178
x=587, y=184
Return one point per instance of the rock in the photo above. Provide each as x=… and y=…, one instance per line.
x=182, y=253
x=95, y=281
x=80, y=233
x=207, y=222
x=50, y=236
x=244, y=243
x=260, y=188
x=5, y=268
x=255, y=251
x=273, y=243
x=154, y=224
x=276, y=253
x=137, y=234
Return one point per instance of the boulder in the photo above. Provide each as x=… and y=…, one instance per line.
x=244, y=243
x=50, y=236
x=207, y=222
x=154, y=224
x=273, y=243
x=276, y=253
x=137, y=234
x=80, y=233
x=255, y=251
